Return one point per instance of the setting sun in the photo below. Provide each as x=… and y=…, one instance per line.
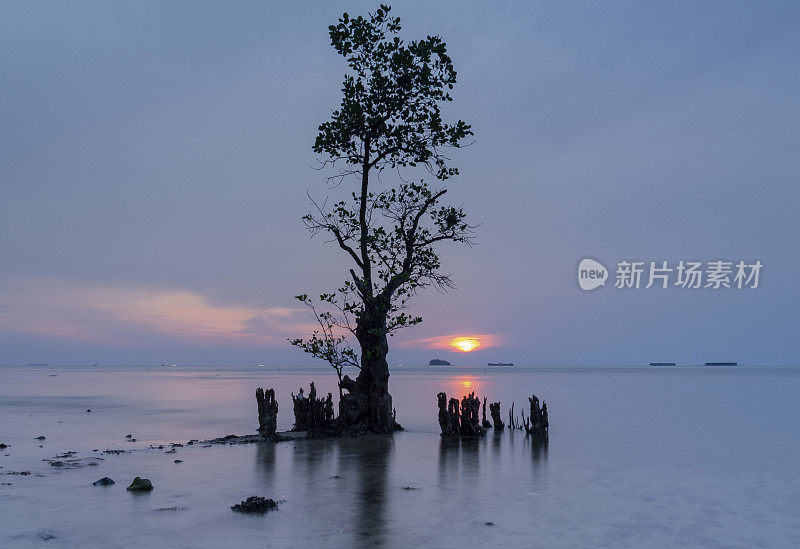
x=465, y=344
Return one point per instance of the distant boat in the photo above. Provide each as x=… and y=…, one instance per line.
x=438, y=362
x=96, y=364
x=36, y=364
x=260, y=365
x=501, y=364
x=662, y=364
x=722, y=364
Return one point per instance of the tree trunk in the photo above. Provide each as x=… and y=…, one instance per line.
x=368, y=404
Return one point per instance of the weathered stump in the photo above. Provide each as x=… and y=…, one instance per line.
x=494, y=409
x=312, y=413
x=445, y=419
x=267, y=411
x=537, y=425
x=470, y=416
x=484, y=421
x=460, y=418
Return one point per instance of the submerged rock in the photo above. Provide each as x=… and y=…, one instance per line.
x=105, y=481
x=256, y=504
x=57, y=463
x=3, y=446
x=140, y=484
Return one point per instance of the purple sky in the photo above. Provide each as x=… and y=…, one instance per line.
x=155, y=158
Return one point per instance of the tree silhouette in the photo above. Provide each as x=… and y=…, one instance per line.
x=390, y=119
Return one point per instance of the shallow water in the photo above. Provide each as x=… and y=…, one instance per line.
x=636, y=457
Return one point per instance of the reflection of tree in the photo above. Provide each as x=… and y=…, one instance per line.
x=459, y=457
x=538, y=448
x=265, y=462
x=371, y=459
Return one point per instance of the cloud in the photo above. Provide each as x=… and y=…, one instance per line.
x=116, y=314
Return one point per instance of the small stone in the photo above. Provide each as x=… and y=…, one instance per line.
x=57, y=463
x=3, y=446
x=255, y=504
x=178, y=461
x=105, y=481
x=140, y=484
x=41, y=437
x=490, y=523
x=89, y=410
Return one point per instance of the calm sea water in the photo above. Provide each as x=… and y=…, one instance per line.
x=637, y=457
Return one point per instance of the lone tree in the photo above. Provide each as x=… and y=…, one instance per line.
x=389, y=120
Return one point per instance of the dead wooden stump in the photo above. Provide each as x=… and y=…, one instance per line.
x=446, y=423
x=312, y=413
x=460, y=418
x=485, y=422
x=470, y=416
x=267, y=411
x=494, y=408
x=537, y=424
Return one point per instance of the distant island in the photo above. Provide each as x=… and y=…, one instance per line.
x=438, y=362
x=501, y=364
x=662, y=364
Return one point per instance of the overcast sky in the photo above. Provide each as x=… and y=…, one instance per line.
x=155, y=158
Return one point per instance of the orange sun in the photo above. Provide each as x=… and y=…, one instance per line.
x=465, y=344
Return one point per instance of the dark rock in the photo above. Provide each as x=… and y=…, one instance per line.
x=89, y=410
x=438, y=362
x=256, y=504
x=176, y=508
x=140, y=484
x=128, y=436
x=3, y=446
x=178, y=461
x=57, y=463
x=46, y=536
x=173, y=451
x=490, y=523
x=105, y=481
x=409, y=488
x=40, y=437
